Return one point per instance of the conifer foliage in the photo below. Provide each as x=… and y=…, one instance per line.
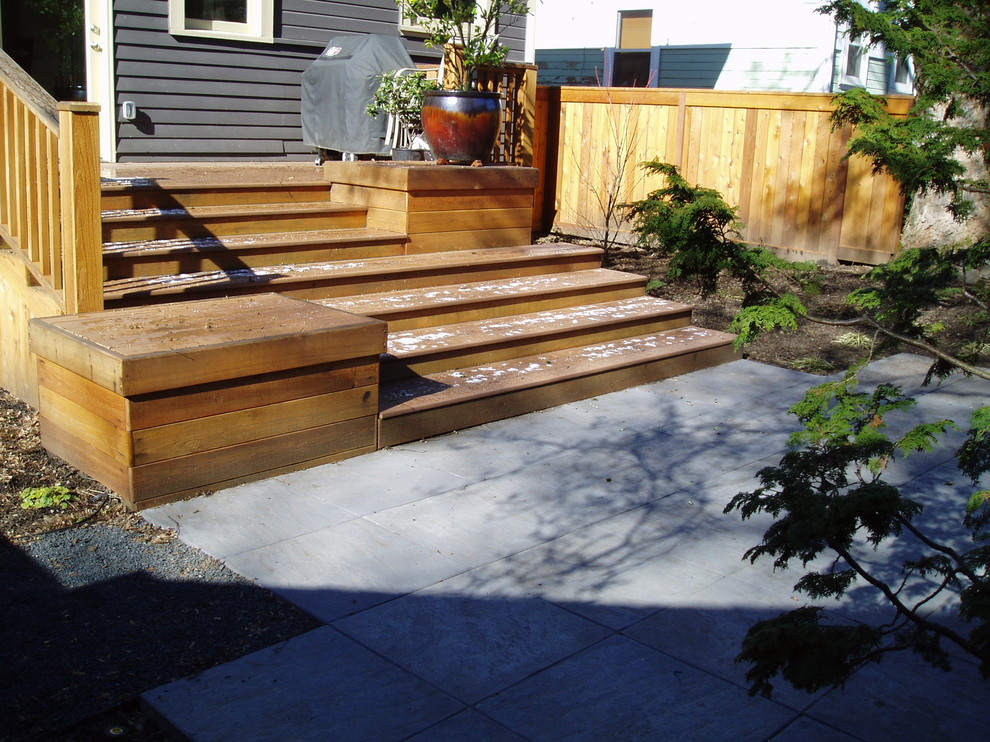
x=831, y=499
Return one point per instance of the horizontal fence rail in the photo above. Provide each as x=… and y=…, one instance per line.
x=773, y=155
x=49, y=207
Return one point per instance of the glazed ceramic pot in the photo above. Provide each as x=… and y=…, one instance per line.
x=461, y=126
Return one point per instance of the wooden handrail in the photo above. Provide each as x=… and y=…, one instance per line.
x=50, y=204
x=35, y=97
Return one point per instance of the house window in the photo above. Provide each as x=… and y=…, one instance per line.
x=631, y=64
x=853, y=62
x=251, y=20
x=901, y=76
x=411, y=24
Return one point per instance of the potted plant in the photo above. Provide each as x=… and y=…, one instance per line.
x=400, y=96
x=461, y=123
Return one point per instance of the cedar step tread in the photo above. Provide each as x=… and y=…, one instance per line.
x=477, y=382
x=520, y=328
x=274, y=276
x=118, y=216
x=177, y=246
x=389, y=305
x=113, y=184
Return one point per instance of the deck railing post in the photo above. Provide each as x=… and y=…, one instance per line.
x=79, y=186
x=527, y=119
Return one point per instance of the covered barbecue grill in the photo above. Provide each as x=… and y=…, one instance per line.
x=339, y=85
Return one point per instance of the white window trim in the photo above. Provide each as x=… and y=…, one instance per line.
x=858, y=79
x=260, y=25
x=416, y=27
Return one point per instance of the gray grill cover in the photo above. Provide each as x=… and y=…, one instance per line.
x=339, y=85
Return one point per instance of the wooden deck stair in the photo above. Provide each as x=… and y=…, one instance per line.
x=474, y=334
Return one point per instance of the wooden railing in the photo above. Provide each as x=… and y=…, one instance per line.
x=50, y=204
x=774, y=155
x=517, y=82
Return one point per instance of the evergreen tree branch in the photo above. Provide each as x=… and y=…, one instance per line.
x=969, y=368
x=908, y=613
x=961, y=565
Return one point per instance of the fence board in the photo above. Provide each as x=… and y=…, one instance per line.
x=774, y=155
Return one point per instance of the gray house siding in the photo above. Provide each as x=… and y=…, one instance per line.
x=212, y=99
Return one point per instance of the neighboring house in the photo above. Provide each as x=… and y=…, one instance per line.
x=186, y=80
x=775, y=45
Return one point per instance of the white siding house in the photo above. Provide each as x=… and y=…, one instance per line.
x=778, y=45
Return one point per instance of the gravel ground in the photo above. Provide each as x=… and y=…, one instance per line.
x=95, y=615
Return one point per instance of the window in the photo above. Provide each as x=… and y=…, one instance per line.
x=415, y=26
x=853, y=62
x=251, y=20
x=901, y=76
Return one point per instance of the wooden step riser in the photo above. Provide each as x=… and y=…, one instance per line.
x=113, y=200
x=504, y=349
x=168, y=228
x=427, y=423
x=353, y=285
x=135, y=267
x=491, y=309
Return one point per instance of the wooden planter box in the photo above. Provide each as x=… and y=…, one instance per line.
x=440, y=207
x=163, y=401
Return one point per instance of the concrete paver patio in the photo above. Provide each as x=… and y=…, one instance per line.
x=565, y=575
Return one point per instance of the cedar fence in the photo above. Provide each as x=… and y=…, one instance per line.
x=773, y=155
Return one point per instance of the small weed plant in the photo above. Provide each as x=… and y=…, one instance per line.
x=39, y=498
x=812, y=365
x=855, y=340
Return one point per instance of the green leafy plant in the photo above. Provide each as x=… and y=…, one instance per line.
x=467, y=27
x=947, y=42
x=828, y=496
x=38, y=498
x=654, y=286
x=698, y=231
x=401, y=95
x=63, y=22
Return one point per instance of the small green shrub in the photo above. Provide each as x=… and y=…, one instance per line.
x=38, y=498
x=401, y=96
x=655, y=286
